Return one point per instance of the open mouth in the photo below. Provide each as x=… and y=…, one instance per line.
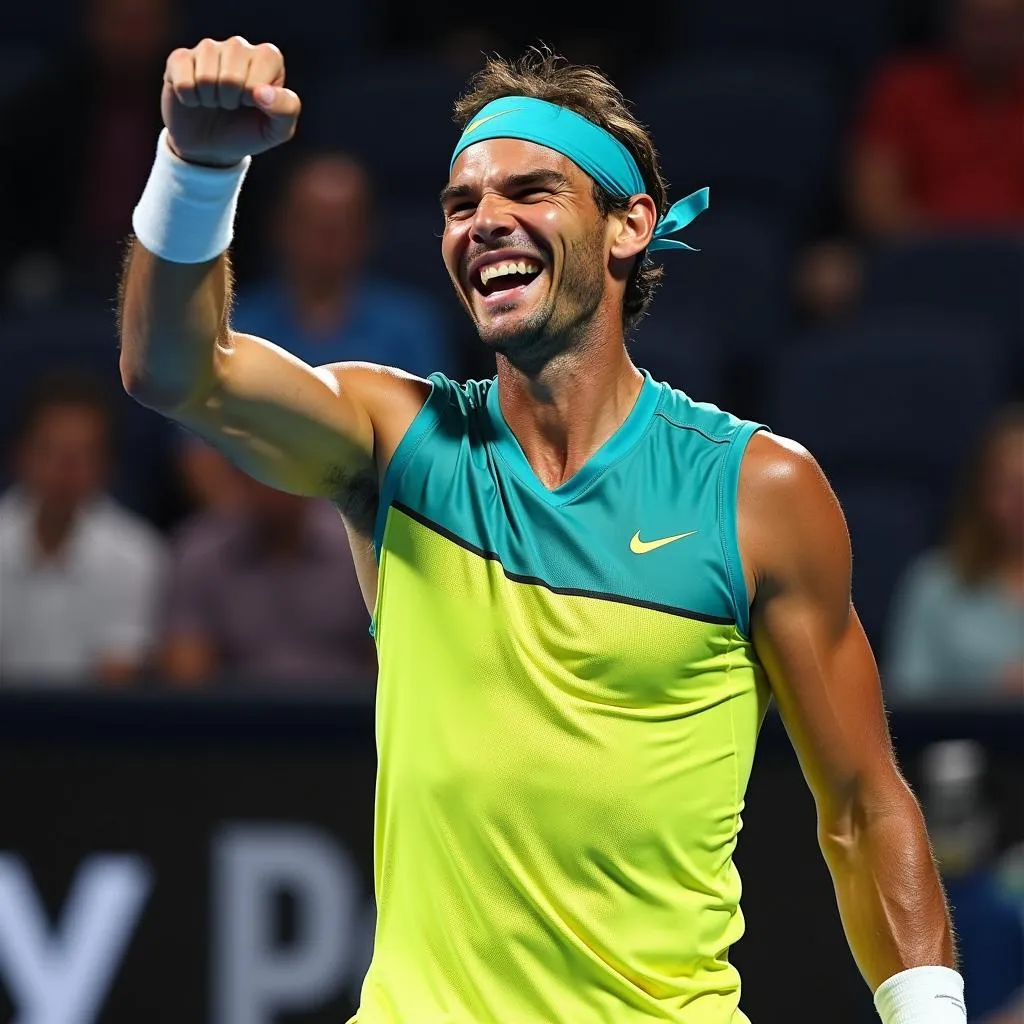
x=506, y=277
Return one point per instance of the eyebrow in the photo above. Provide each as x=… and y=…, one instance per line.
x=544, y=176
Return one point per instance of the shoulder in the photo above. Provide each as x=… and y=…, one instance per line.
x=929, y=575
x=202, y=538
x=779, y=470
x=124, y=539
x=789, y=518
x=677, y=409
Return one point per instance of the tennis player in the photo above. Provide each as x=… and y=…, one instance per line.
x=585, y=587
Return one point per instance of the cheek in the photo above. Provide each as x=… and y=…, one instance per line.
x=453, y=247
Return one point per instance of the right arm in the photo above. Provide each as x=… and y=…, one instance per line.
x=314, y=432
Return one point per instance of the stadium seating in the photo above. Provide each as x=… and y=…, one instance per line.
x=683, y=354
x=340, y=30
x=896, y=399
x=21, y=64
x=963, y=275
x=735, y=284
x=395, y=116
x=849, y=37
x=759, y=131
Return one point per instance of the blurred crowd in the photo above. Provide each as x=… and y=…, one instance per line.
x=860, y=287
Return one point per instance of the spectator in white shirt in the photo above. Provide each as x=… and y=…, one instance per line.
x=80, y=576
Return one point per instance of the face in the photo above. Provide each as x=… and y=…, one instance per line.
x=129, y=34
x=1003, y=495
x=990, y=35
x=64, y=458
x=525, y=245
x=323, y=222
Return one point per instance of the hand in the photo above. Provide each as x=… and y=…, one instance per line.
x=225, y=100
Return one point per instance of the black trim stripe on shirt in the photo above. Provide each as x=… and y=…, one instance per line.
x=536, y=581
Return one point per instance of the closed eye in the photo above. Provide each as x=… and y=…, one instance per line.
x=459, y=209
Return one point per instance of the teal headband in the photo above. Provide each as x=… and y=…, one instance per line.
x=588, y=146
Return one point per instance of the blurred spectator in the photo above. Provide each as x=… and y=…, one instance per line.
x=79, y=575
x=988, y=925
x=323, y=305
x=827, y=282
x=958, y=621
x=267, y=593
x=940, y=144
x=77, y=150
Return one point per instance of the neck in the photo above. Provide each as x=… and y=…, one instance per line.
x=320, y=305
x=564, y=412
x=1011, y=570
x=53, y=528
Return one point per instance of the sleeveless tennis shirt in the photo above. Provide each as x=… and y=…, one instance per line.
x=568, y=704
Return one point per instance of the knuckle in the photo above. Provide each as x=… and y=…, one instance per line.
x=270, y=50
x=178, y=54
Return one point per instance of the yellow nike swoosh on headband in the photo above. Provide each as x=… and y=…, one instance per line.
x=641, y=547
x=490, y=117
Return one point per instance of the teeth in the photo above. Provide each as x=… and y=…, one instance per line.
x=501, y=269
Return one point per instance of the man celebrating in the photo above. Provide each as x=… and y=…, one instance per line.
x=585, y=587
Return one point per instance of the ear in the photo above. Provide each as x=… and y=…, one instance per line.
x=634, y=227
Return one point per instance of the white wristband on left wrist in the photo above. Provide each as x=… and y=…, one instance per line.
x=186, y=213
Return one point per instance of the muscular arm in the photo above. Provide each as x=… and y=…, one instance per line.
x=315, y=432
x=282, y=421
x=797, y=556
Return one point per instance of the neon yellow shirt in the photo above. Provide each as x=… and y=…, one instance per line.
x=568, y=705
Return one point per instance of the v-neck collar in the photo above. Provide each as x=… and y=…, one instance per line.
x=622, y=440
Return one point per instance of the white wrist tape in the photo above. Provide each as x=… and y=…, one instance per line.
x=922, y=995
x=187, y=212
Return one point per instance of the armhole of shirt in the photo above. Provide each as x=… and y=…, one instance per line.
x=728, y=499
x=426, y=419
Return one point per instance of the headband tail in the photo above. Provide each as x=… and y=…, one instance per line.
x=679, y=215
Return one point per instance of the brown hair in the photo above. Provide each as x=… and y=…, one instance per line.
x=972, y=545
x=541, y=74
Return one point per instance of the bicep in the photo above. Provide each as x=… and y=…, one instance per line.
x=805, y=629
x=294, y=427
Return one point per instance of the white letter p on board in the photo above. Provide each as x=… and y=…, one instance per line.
x=256, y=977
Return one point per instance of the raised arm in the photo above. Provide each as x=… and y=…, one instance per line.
x=796, y=553
x=316, y=432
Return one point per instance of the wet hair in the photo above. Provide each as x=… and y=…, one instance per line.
x=543, y=75
x=972, y=546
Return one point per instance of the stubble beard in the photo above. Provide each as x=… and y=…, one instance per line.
x=560, y=324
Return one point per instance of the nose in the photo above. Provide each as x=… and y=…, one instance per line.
x=492, y=219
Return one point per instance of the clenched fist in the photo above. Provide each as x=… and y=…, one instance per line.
x=225, y=100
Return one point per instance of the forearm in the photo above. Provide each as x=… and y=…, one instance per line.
x=172, y=317
x=890, y=899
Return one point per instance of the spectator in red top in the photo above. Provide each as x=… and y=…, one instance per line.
x=941, y=144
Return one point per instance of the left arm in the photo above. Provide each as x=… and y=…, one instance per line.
x=796, y=553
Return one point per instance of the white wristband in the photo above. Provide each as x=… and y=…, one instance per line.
x=922, y=995
x=186, y=213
